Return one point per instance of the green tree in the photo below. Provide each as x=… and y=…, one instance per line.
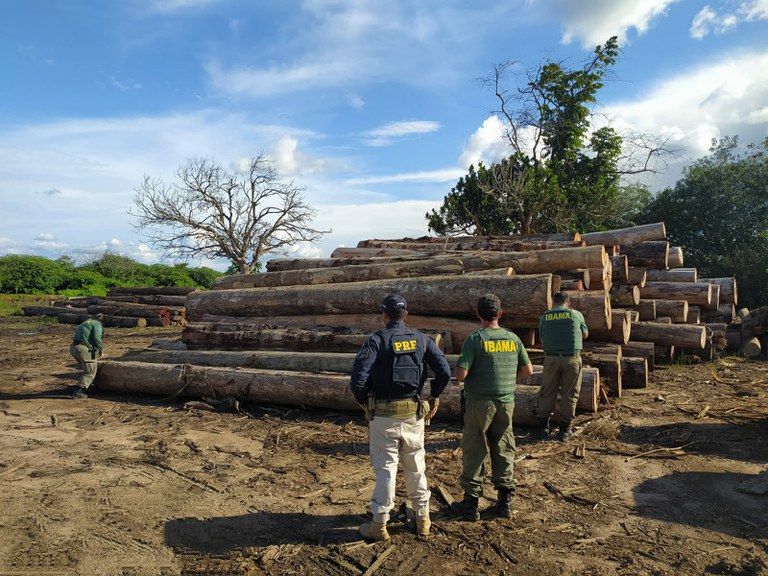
x=217, y=214
x=563, y=174
x=718, y=212
x=23, y=274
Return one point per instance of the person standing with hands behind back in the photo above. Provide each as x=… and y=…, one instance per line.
x=561, y=330
x=387, y=377
x=491, y=360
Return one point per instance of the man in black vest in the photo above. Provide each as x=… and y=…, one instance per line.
x=387, y=378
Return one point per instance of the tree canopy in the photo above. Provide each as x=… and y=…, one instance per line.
x=718, y=212
x=219, y=214
x=563, y=174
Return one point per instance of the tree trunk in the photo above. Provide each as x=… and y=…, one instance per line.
x=627, y=236
x=648, y=254
x=681, y=335
x=619, y=331
x=575, y=285
x=694, y=315
x=647, y=309
x=595, y=306
x=637, y=275
x=330, y=391
x=634, y=372
x=343, y=252
x=715, y=301
x=675, y=259
x=609, y=366
x=468, y=243
x=724, y=313
x=619, y=268
x=112, y=308
x=673, y=275
x=523, y=298
x=677, y=310
x=645, y=350
x=728, y=292
x=110, y=321
x=582, y=274
x=152, y=290
x=752, y=348
x=45, y=310
x=602, y=347
x=625, y=295
x=509, y=271
x=147, y=299
x=698, y=293
x=243, y=336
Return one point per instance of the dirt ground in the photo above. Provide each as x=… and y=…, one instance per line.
x=653, y=484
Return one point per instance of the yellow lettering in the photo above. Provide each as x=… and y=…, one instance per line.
x=398, y=346
x=500, y=346
x=558, y=316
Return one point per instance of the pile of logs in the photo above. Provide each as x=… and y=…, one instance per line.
x=122, y=307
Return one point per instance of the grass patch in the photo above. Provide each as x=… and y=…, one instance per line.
x=11, y=304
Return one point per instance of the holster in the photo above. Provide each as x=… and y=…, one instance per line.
x=423, y=411
x=370, y=408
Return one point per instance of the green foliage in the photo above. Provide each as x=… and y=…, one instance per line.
x=557, y=179
x=21, y=274
x=718, y=212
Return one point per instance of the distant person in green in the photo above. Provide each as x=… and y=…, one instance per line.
x=561, y=330
x=491, y=360
x=86, y=348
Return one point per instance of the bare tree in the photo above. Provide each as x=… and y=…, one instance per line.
x=217, y=214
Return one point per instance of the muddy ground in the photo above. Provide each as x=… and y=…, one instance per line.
x=654, y=484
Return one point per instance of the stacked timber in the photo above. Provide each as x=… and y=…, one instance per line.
x=135, y=307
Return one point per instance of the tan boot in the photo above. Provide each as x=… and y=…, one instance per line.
x=423, y=524
x=376, y=531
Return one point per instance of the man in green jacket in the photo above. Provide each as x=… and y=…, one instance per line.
x=491, y=360
x=86, y=348
x=561, y=330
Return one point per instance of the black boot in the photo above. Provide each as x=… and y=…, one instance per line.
x=467, y=508
x=565, y=431
x=542, y=430
x=504, y=505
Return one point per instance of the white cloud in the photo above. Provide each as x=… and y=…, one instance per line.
x=168, y=6
x=754, y=9
x=486, y=144
x=356, y=102
x=709, y=21
x=442, y=175
x=388, y=133
x=592, y=22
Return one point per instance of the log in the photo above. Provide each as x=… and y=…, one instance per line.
x=715, y=302
x=646, y=309
x=733, y=338
x=465, y=243
x=653, y=254
x=627, y=236
x=609, y=366
x=533, y=262
x=675, y=259
x=576, y=285
x=677, y=310
x=523, y=298
x=634, y=372
x=458, y=328
x=590, y=388
x=694, y=315
x=109, y=321
x=150, y=299
x=724, y=313
x=698, y=293
x=717, y=334
x=508, y=271
x=638, y=275
x=157, y=290
x=663, y=320
x=112, y=308
x=602, y=347
x=344, y=252
x=329, y=391
x=673, y=275
x=620, y=329
x=604, y=285
x=752, y=348
x=679, y=335
x=625, y=295
x=664, y=354
x=640, y=350
x=619, y=268
x=581, y=274
x=728, y=292
x=594, y=306
x=243, y=336
x=44, y=310
x=479, y=240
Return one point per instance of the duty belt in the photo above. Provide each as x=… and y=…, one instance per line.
x=562, y=355
x=396, y=408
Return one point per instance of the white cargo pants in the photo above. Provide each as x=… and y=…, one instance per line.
x=392, y=440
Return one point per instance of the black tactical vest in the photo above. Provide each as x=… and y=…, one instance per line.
x=399, y=370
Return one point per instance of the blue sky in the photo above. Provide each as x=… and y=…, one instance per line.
x=376, y=108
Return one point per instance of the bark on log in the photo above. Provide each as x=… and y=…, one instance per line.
x=634, y=372
x=575, y=285
x=509, y=271
x=625, y=295
x=648, y=254
x=243, y=336
x=619, y=268
x=638, y=276
x=673, y=275
x=663, y=320
x=664, y=354
x=609, y=366
x=698, y=293
x=532, y=262
x=594, y=306
x=619, y=332
x=144, y=290
x=459, y=329
x=675, y=259
x=602, y=347
x=694, y=315
x=148, y=299
x=680, y=335
x=344, y=252
x=627, y=236
x=523, y=298
x=733, y=338
x=45, y=310
x=329, y=391
x=715, y=302
x=646, y=309
x=677, y=310
x=582, y=274
x=442, y=240
x=640, y=350
x=752, y=348
x=725, y=313
x=470, y=243
x=112, y=308
x=728, y=292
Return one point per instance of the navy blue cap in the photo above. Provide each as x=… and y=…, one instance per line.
x=393, y=303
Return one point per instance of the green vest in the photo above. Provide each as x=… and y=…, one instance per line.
x=491, y=357
x=561, y=329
